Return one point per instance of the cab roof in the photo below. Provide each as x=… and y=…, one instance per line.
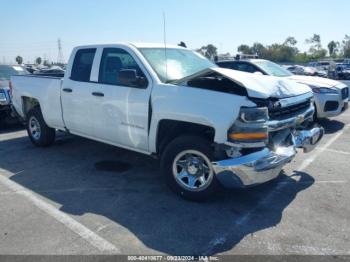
x=134, y=44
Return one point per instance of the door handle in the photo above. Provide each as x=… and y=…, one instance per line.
x=98, y=94
x=68, y=90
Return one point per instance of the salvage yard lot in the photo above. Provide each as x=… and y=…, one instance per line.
x=84, y=197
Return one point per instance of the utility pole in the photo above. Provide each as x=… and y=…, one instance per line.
x=60, y=58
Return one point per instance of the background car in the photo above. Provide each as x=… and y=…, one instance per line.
x=331, y=97
x=55, y=71
x=324, y=68
x=306, y=70
x=6, y=71
x=342, y=72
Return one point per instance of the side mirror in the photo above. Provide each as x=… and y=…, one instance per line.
x=128, y=77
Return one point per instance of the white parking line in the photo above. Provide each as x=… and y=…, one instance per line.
x=337, y=151
x=221, y=240
x=316, y=153
x=316, y=182
x=95, y=240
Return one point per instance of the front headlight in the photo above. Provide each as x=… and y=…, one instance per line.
x=254, y=114
x=251, y=126
x=324, y=90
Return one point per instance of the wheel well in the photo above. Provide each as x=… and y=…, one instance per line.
x=170, y=129
x=28, y=104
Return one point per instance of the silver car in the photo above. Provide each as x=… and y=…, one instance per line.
x=331, y=97
x=6, y=71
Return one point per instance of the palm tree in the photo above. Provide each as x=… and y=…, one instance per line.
x=333, y=47
x=19, y=59
x=38, y=60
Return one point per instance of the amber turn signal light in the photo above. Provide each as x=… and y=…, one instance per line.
x=248, y=136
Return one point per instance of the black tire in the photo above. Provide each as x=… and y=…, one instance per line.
x=172, y=151
x=46, y=135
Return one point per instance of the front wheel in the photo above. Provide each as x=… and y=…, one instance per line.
x=39, y=133
x=186, y=165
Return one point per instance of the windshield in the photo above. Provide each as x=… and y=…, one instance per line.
x=7, y=71
x=180, y=62
x=272, y=69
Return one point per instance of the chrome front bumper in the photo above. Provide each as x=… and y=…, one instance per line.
x=264, y=165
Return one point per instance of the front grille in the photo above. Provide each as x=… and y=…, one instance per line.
x=345, y=93
x=288, y=111
x=331, y=106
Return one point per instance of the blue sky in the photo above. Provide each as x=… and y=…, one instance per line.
x=31, y=28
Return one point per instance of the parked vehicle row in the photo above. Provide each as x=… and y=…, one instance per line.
x=53, y=70
x=209, y=126
x=6, y=71
x=305, y=70
x=329, y=69
x=342, y=71
x=330, y=97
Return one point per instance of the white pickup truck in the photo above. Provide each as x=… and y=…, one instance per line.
x=208, y=125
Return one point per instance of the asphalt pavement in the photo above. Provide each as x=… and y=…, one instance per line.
x=84, y=197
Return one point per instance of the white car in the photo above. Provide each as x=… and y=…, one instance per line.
x=331, y=97
x=208, y=125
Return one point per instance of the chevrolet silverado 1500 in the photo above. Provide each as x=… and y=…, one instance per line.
x=208, y=125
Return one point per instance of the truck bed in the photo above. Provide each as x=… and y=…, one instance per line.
x=46, y=90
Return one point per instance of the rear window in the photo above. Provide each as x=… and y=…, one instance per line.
x=6, y=71
x=82, y=64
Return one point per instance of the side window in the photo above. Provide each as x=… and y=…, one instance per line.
x=245, y=67
x=113, y=60
x=82, y=64
x=234, y=66
x=224, y=64
x=229, y=65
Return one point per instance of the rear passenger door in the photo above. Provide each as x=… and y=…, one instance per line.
x=76, y=93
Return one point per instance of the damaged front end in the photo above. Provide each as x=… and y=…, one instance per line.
x=263, y=139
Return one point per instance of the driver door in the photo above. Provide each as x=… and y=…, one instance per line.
x=120, y=112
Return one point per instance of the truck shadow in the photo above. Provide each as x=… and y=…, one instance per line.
x=12, y=127
x=70, y=173
x=331, y=126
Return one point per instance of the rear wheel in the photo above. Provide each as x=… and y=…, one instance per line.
x=38, y=131
x=186, y=165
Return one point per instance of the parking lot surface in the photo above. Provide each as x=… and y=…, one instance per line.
x=85, y=197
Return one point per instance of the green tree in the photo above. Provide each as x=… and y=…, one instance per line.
x=346, y=46
x=290, y=41
x=302, y=58
x=316, y=51
x=314, y=41
x=19, y=59
x=333, y=48
x=46, y=63
x=245, y=49
x=258, y=49
x=38, y=60
x=209, y=51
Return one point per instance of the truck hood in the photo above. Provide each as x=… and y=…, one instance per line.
x=316, y=81
x=263, y=86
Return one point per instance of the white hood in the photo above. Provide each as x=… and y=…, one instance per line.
x=317, y=81
x=263, y=86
